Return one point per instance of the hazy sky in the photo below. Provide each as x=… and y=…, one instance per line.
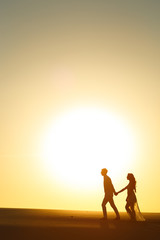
x=59, y=55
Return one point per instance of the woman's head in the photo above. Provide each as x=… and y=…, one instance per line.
x=132, y=180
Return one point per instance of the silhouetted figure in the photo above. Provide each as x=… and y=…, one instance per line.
x=131, y=197
x=109, y=190
x=132, y=205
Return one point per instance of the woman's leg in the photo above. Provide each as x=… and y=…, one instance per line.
x=133, y=212
x=127, y=207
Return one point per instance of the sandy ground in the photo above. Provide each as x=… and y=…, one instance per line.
x=28, y=224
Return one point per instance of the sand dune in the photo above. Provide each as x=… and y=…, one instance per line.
x=62, y=224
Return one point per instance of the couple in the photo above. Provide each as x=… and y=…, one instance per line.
x=109, y=190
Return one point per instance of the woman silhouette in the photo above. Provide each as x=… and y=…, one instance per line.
x=132, y=205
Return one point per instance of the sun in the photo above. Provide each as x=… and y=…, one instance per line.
x=84, y=140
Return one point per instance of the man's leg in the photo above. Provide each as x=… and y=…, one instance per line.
x=111, y=201
x=105, y=200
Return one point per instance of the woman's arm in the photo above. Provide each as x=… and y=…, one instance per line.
x=122, y=190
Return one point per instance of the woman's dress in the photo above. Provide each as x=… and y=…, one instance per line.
x=132, y=200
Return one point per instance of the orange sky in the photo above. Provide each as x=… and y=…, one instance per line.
x=61, y=55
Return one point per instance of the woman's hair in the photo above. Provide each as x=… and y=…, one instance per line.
x=132, y=180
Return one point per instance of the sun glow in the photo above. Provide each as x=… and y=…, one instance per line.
x=83, y=141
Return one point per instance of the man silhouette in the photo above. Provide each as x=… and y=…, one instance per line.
x=108, y=190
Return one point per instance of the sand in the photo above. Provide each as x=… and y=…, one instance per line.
x=38, y=224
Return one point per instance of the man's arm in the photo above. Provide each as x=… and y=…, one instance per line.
x=113, y=188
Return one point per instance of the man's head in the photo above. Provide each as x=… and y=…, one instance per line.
x=104, y=171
